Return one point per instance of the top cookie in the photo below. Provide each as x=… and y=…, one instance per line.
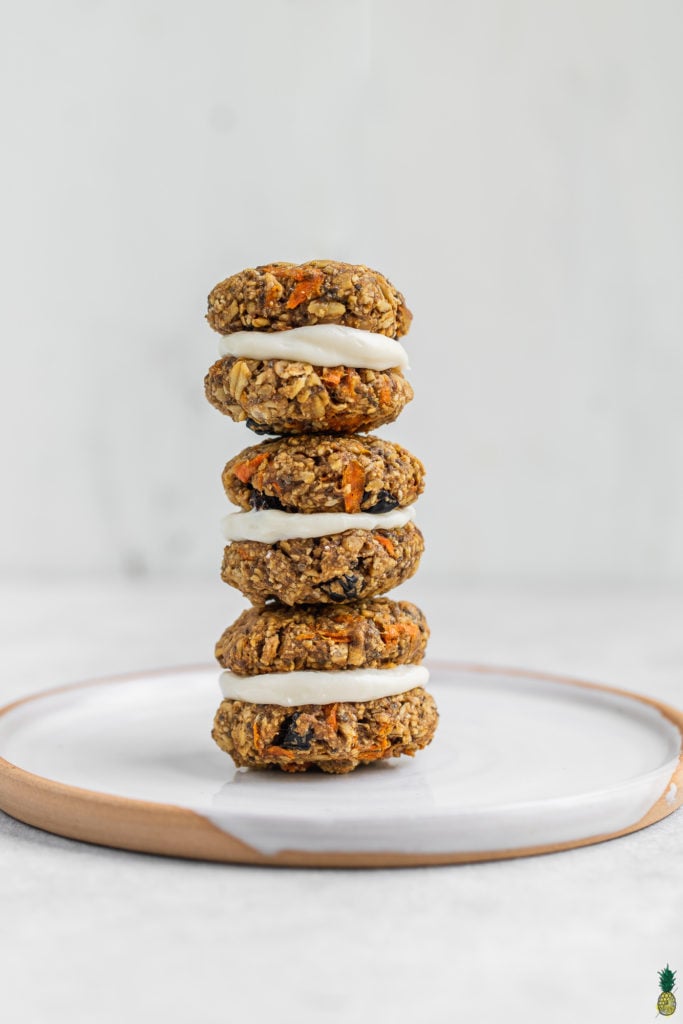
x=279, y=296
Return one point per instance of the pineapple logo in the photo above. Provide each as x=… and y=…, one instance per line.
x=666, y=1004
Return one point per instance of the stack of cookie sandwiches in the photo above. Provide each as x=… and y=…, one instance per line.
x=322, y=671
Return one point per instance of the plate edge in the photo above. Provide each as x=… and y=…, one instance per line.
x=167, y=830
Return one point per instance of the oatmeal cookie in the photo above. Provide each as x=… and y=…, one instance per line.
x=334, y=569
x=369, y=634
x=279, y=396
x=324, y=473
x=334, y=737
x=279, y=296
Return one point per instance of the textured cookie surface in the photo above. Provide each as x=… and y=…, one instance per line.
x=324, y=473
x=279, y=296
x=277, y=396
x=334, y=569
x=369, y=634
x=333, y=737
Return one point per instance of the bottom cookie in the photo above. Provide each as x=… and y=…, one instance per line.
x=333, y=737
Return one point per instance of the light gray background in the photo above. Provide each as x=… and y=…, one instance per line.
x=515, y=168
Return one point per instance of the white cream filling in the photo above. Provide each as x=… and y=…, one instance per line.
x=271, y=525
x=320, y=345
x=290, y=689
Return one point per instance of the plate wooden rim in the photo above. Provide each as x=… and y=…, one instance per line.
x=147, y=827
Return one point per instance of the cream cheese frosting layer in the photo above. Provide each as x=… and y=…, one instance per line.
x=320, y=345
x=272, y=525
x=292, y=689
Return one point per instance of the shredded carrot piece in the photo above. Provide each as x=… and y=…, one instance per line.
x=353, y=485
x=256, y=735
x=345, y=423
x=376, y=750
x=385, y=396
x=372, y=753
x=344, y=638
x=293, y=273
x=303, y=291
x=282, y=751
x=245, y=470
x=398, y=629
x=386, y=542
x=333, y=375
x=310, y=284
x=331, y=716
x=349, y=385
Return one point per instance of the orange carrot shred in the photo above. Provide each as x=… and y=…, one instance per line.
x=344, y=423
x=295, y=273
x=245, y=470
x=306, y=289
x=353, y=486
x=376, y=750
x=386, y=542
x=331, y=716
x=282, y=751
x=343, y=638
x=371, y=753
x=256, y=735
x=333, y=375
x=385, y=396
x=398, y=629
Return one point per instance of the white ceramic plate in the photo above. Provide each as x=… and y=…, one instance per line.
x=521, y=763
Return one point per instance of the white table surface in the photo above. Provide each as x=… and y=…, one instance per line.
x=102, y=936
